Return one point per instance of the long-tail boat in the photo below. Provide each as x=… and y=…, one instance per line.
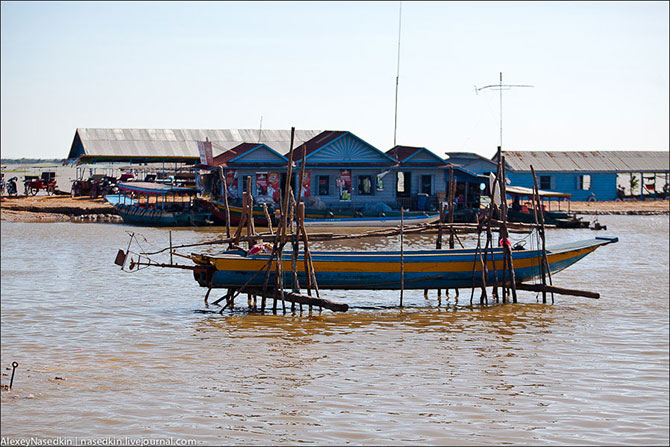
x=423, y=269
x=156, y=204
x=376, y=222
x=314, y=217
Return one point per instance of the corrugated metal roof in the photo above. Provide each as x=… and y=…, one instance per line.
x=596, y=161
x=178, y=143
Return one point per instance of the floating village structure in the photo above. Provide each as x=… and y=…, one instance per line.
x=343, y=170
x=91, y=145
x=589, y=175
x=263, y=269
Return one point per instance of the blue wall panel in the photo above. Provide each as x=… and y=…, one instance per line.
x=602, y=185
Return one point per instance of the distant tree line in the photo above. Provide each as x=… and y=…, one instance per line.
x=27, y=161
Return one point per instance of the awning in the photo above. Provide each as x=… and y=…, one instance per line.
x=155, y=188
x=528, y=192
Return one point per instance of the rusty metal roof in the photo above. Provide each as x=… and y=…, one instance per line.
x=595, y=161
x=117, y=144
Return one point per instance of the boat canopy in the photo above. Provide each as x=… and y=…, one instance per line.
x=528, y=192
x=155, y=188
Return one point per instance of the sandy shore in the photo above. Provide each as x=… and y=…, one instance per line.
x=42, y=208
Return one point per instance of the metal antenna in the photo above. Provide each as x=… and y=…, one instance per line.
x=500, y=87
x=260, y=130
x=397, y=77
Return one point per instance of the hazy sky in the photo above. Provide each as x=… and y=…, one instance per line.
x=599, y=71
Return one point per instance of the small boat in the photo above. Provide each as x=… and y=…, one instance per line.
x=373, y=221
x=218, y=212
x=524, y=213
x=156, y=204
x=314, y=217
x=423, y=269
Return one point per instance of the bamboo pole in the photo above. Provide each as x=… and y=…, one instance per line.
x=282, y=230
x=267, y=216
x=506, y=246
x=307, y=257
x=251, y=228
x=225, y=200
x=536, y=211
x=438, y=242
x=402, y=254
x=545, y=262
x=452, y=195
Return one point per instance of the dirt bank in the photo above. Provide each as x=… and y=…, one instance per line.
x=636, y=207
x=42, y=208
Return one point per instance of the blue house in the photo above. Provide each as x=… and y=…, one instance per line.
x=265, y=166
x=421, y=173
x=342, y=171
x=472, y=162
x=585, y=175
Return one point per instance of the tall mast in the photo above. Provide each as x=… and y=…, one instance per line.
x=397, y=78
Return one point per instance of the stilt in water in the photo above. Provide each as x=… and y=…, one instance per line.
x=402, y=254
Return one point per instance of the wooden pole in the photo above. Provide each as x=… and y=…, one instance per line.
x=489, y=241
x=267, y=217
x=307, y=258
x=537, y=212
x=171, y=250
x=282, y=225
x=243, y=220
x=545, y=261
x=251, y=228
x=506, y=246
x=474, y=266
x=452, y=195
x=559, y=290
x=438, y=242
x=402, y=254
x=225, y=200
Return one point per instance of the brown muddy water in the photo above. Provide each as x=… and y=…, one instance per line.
x=104, y=353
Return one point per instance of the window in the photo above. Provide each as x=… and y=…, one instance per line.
x=244, y=183
x=324, y=185
x=427, y=184
x=404, y=184
x=365, y=185
x=545, y=182
x=584, y=182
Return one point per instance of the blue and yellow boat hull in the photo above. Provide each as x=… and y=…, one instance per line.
x=422, y=269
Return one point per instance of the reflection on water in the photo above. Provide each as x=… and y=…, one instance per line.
x=141, y=354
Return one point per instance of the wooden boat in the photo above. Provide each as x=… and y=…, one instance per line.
x=156, y=204
x=218, y=212
x=524, y=213
x=423, y=269
x=372, y=221
x=313, y=217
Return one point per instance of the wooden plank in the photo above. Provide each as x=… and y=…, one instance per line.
x=558, y=290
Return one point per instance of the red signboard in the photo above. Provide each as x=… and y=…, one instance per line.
x=231, y=182
x=262, y=184
x=306, y=185
x=274, y=186
x=344, y=184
